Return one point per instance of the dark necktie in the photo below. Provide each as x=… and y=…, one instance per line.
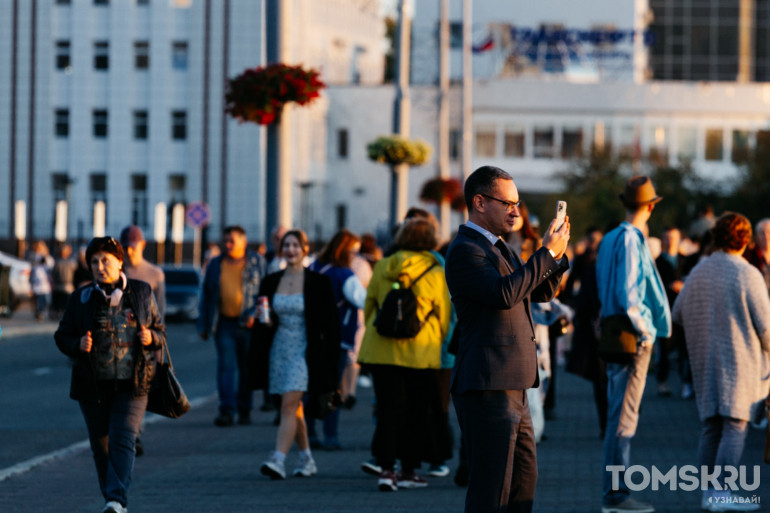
x=500, y=245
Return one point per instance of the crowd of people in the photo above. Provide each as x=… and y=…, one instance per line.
x=487, y=319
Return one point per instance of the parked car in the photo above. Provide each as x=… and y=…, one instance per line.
x=182, y=292
x=20, y=289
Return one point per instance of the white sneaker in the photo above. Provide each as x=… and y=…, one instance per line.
x=114, y=507
x=306, y=469
x=364, y=381
x=273, y=469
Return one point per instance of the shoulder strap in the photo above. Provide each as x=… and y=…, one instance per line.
x=421, y=275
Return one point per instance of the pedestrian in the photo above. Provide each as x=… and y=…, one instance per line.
x=758, y=253
x=110, y=329
x=725, y=310
x=402, y=367
x=334, y=261
x=137, y=268
x=40, y=283
x=492, y=289
x=296, y=351
x=63, y=279
x=228, y=308
x=629, y=285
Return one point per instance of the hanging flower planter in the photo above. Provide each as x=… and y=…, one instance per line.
x=395, y=150
x=439, y=190
x=258, y=95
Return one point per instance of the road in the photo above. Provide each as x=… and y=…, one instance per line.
x=38, y=416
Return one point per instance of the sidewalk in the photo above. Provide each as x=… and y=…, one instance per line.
x=192, y=466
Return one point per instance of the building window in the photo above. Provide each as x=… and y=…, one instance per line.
x=176, y=187
x=141, y=128
x=629, y=143
x=513, y=141
x=139, y=199
x=485, y=140
x=179, y=55
x=455, y=143
x=740, y=152
x=59, y=184
x=62, y=123
x=101, y=55
x=571, y=142
x=100, y=123
x=179, y=125
x=714, y=145
x=62, y=55
x=658, y=142
x=101, y=2
x=342, y=143
x=98, y=182
x=142, y=55
x=142, y=2
x=543, y=142
x=62, y=2
x=686, y=146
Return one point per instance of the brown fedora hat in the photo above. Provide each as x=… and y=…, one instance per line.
x=639, y=191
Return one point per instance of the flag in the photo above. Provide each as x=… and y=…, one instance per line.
x=484, y=46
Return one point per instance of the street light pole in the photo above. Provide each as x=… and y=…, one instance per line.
x=443, y=115
x=467, y=88
x=401, y=113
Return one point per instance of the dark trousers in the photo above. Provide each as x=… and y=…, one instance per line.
x=401, y=430
x=113, y=425
x=332, y=421
x=500, y=447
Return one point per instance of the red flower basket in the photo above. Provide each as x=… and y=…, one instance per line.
x=439, y=190
x=258, y=95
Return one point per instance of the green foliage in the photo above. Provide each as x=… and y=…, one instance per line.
x=394, y=150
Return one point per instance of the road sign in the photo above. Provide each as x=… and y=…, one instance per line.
x=197, y=215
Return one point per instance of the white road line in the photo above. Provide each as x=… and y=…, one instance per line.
x=77, y=447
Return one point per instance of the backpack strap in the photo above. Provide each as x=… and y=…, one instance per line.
x=421, y=275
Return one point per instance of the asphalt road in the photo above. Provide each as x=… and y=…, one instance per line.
x=38, y=415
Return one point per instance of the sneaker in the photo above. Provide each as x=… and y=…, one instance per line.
x=387, y=481
x=224, y=420
x=664, y=390
x=629, y=506
x=114, y=507
x=350, y=402
x=364, y=381
x=306, y=469
x=438, y=471
x=410, y=481
x=273, y=469
x=686, y=391
x=371, y=467
x=244, y=419
x=727, y=501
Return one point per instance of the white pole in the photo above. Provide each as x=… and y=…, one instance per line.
x=20, y=228
x=443, y=116
x=160, y=232
x=99, y=218
x=467, y=89
x=60, y=228
x=177, y=232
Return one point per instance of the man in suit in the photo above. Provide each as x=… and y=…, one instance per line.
x=492, y=289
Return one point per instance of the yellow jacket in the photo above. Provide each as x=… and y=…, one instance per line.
x=424, y=350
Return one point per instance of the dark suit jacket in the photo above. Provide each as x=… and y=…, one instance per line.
x=322, y=328
x=497, y=349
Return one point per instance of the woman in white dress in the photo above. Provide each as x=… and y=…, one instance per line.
x=297, y=351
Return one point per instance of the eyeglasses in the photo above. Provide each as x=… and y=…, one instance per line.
x=509, y=205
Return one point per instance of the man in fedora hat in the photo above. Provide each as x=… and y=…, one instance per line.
x=629, y=284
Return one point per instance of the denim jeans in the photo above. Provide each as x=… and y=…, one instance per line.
x=113, y=425
x=625, y=388
x=721, y=443
x=233, y=342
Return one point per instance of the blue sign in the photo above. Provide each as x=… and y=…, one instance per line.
x=197, y=215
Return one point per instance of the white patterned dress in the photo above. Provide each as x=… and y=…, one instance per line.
x=288, y=367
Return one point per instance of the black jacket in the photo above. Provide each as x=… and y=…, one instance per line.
x=78, y=319
x=322, y=329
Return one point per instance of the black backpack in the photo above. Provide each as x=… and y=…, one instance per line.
x=397, y=318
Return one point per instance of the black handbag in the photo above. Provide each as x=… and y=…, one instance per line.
x=618, y=340
x=166, y=396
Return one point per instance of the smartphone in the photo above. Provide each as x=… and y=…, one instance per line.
x=561, y=213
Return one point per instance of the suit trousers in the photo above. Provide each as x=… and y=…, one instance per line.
x=499, y=441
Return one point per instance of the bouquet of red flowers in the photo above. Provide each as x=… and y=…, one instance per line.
x=259, y=94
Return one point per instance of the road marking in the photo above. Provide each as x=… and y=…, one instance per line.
x=77, y=447
x=42, y=371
